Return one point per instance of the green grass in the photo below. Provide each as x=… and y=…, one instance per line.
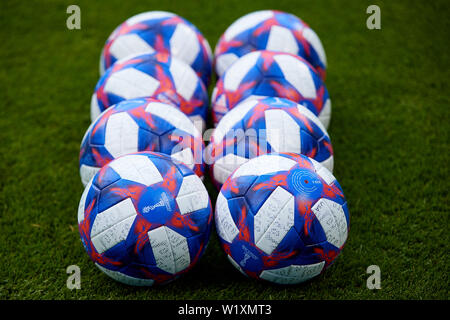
x=390, y=132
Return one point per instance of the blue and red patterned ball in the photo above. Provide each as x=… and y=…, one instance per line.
x=155, y=75
x=282, y=218
x=140, y=125
x=271, y=74
x=265, y=125
x=163, y=32
x=145, y=219
x=269, y=30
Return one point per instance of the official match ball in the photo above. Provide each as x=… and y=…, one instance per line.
x=145, y=219
x=271, y=74
x=140, y=125
x=155, y=75
x=282, y=218
x=163, y=32
x=266, y=125
x=269, y=30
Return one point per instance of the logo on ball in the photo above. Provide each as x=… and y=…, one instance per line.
x=164, y=202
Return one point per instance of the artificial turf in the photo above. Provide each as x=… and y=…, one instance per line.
x=389, y=129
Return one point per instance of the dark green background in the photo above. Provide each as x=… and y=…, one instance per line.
x=389, y=130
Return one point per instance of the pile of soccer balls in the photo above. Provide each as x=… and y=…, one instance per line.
x=145, y=216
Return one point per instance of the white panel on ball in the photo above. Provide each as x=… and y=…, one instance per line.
x=121, y=277
x=224, y=61
x=273, y=220
x=226, y=228
x=95, y=109
x=185, y=156
x=170, y=249
x=184, y=43
x=224, y=166
x=137, y=168
x=293, y=274
x=325, y=114
x=332, y=219
x=82, y=203
x=151, y=15
x=328, y=164
x=87, y=172
x=131, y=83
x=112, y=226
x=312, y=117
x=281, y=39
x=234, y=76
x=121, y=134
x=185, y=79
x=129, y=44
x=315, y=42
x=323, y=172
x=297, y=74
x=282, y=131
x=172, y=115
x=246, y=22
x=198, y=122
x=234, y=116
x=263, y=165
x=192, y=195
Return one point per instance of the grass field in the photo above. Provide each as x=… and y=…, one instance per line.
x=390, y=132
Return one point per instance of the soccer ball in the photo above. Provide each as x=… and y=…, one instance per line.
x=161, y=32
x=266, y=125
x=269, y=30
x=282, y=218
x=145, y=219
x=273, y=74
x=140, y=125
x=156, y=75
